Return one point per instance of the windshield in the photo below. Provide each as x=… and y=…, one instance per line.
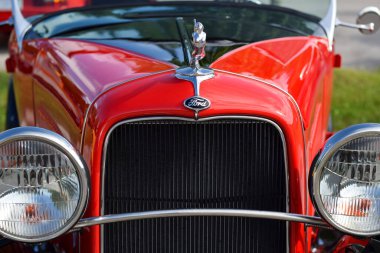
x=317, y=8
x=159, y=29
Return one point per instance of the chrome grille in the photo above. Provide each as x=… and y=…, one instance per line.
x=174, y=164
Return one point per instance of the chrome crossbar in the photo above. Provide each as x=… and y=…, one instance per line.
x=112, y=218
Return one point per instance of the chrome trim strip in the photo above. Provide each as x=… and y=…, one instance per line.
x=194, y=120
x=332, y=145
x=105, y=91
x=328, y=23
x=60, y=143
x=21, y=25
x=112, y=218
x=195, y=79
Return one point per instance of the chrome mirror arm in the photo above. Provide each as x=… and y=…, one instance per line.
x=368, y=27
x=21, y=25
x=367, y=22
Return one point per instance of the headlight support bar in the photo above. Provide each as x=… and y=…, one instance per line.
x=112, y=218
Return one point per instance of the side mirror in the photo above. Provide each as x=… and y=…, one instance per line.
x=369, y=16
x=368, y=21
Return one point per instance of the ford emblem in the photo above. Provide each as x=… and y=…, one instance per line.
x=197, y=103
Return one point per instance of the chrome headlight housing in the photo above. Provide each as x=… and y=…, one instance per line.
x=44, y=185
x=346, y=180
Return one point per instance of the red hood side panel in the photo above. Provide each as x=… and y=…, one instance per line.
x=294, y=64
x=96, y=67
x=70, y=74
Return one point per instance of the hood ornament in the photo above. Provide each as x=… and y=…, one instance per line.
x=199, y=43
x=195, y=73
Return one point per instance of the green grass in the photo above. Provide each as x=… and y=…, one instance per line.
x=356, y=97
x=3, y=98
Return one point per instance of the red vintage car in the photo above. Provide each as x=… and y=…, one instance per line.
x=179, y=126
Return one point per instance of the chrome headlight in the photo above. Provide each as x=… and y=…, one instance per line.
x=346, y=180
x=43, y=185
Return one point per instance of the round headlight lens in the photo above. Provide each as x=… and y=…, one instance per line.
x=346, y=180
x=43, y=185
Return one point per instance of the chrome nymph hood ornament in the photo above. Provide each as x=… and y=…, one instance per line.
x=195, y=73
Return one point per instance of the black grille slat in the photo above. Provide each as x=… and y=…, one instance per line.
x=175, y=164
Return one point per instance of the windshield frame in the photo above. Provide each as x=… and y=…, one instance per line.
x=277, y=8
x=186, y=2
x=326, y=23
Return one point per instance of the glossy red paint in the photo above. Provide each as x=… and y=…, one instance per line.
x=66, y=76
x=285, y=80
x=296, y=65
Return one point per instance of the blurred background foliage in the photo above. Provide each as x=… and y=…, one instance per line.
x=356, y=97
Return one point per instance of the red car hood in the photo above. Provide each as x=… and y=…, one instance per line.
x=94, y=67
x=91, y=69
x=292, y=64
x=285, y=62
